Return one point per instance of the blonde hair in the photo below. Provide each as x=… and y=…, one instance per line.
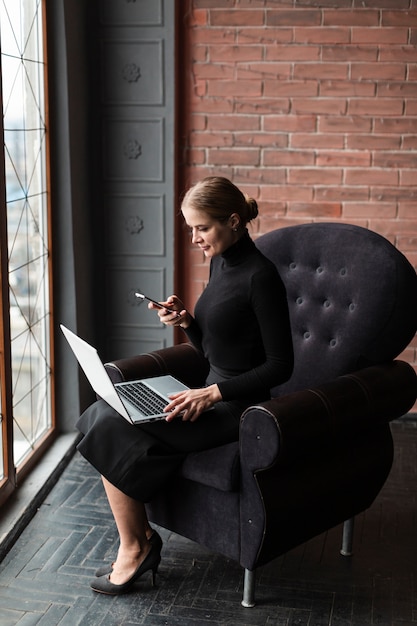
x=220, y=198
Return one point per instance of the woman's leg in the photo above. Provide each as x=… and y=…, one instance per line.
x=134, y=530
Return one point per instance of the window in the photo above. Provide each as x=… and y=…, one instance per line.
x=25, y=368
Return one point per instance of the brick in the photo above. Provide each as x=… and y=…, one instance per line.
x=224, y=17
x=342, y=193
x=350, y=53
x=399, y=18
x=375, y=106
x=347, y=89
x=407, y=210
x=348, y=124
x=216, y=4
x=409, y=177
x=260, y=139
x=321, y=71
x=288, y=157
x=374, y=71
x=343, y=158
x=293, y=53
x=333, y=106
x=316, y=209
x=289, y=123
x=269, y=37
x=271, y=72
x=197, y=122
x=378, y=209
x=213, y=36
x=212, y=105
x=291, y=88
x=402, y=126
x=198, y=18
x=411, y=107
x=235, y=53
x=371, y=176
x=338, y=17
x=316, y=140
x=382, y=4
x=234, y=157
x=211, y=139
x=378, y=35
x=234, y=88
x=194, y=156
x=383, y=193
x=199, y=54
x=272, y=210
x=396, y=159
x=412, y=72
x=234, y=122
x=315, y=176
x=264, y=106
x=404, y=54
x=409, y=142
x=286, y=193
x=297, y=17
x=260, y=175
x=397, y=88
x=322, y=36
x=214, y=71
x=373, y=142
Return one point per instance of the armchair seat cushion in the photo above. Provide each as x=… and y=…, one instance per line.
x=218, y=467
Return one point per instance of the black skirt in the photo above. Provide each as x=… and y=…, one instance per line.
x=140, y=460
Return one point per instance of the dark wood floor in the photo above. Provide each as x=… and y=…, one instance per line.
x=44, y=578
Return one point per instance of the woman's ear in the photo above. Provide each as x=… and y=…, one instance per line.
x=234, y=221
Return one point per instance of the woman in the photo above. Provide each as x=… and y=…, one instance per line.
x=241, y=325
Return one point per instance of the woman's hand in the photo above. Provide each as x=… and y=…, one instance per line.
x=174, y=315
x=191, y=403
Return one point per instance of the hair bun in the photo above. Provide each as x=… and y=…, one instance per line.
x=251, y=208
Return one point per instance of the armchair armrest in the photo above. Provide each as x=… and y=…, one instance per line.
x=297, y=425
x=314, y=458
x=182, y=361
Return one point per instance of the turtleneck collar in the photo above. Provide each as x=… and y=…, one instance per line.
x=239, y=250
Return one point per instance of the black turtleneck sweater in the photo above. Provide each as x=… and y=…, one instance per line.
x=241, y=323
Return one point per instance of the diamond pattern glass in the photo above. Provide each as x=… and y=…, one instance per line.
x=22, y=60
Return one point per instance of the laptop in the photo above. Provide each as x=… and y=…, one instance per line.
x=137, y=401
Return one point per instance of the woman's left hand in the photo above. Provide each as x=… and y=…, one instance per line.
x=191, y=403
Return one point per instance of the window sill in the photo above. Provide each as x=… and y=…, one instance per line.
x=23, y=504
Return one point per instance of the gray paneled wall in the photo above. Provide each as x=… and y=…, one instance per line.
x=136, y=44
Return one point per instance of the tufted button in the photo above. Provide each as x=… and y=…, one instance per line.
x=299, y=300
x=333, y=343
x=326, y=304
x=352, y=307
x=293, y=266
x=319, y=270
x=307, y=335
x=343, y=271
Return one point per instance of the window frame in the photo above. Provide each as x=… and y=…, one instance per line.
x=12, y=475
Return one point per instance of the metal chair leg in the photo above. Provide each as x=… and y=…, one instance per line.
x=249, y=589
x=347, y=538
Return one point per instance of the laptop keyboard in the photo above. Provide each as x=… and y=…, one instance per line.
x=146, y=400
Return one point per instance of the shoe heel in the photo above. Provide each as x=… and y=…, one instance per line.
x=154, y=573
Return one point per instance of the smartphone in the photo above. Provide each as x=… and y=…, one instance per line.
x=158, y=304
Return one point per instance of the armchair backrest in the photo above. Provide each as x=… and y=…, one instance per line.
x=352, y=298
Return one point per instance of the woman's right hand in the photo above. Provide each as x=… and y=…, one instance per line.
x=176, y=316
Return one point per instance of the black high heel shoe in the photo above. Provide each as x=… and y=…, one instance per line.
x=154, y=539
x=151, y=562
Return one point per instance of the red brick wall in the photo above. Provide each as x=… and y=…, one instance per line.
x=310, y=106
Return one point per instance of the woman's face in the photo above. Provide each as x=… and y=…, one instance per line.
x=210, y=235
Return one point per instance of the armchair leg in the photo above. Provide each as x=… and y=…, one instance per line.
x=347, y=538
x=248, y=600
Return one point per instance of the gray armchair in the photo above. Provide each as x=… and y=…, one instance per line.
x=320, y=450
